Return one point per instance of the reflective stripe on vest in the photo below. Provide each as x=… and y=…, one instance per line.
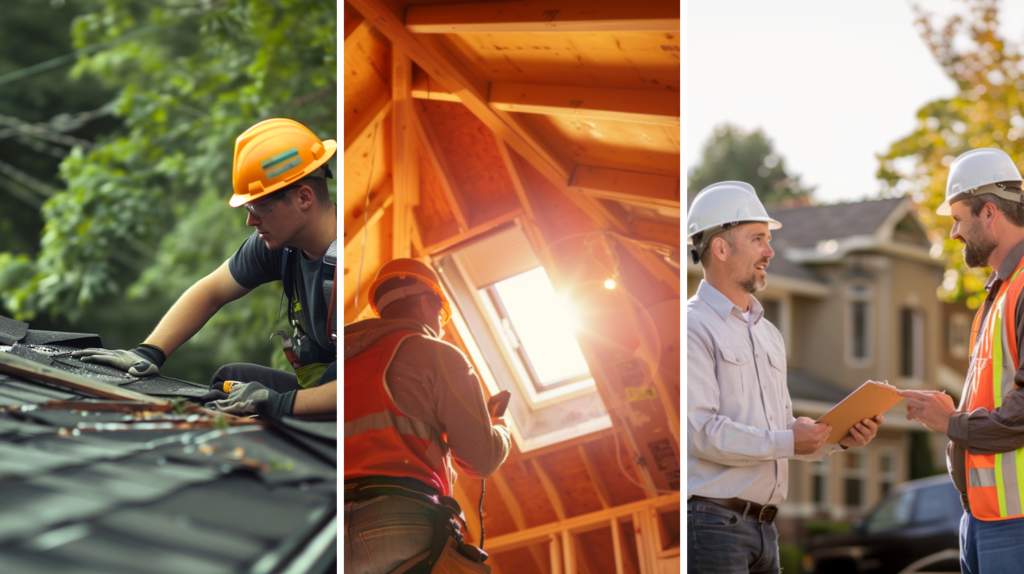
x=380, y=440
x=995, y=483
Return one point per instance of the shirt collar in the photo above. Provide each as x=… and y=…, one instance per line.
x=1006, y=269
x=721, y=304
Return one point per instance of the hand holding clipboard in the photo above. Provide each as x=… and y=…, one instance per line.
x=869, y=401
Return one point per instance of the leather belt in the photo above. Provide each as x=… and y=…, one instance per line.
x=764, y=513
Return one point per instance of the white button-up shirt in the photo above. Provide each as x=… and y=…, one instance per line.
x=738, y=408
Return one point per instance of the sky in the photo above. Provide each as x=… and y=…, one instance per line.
x=831, y=82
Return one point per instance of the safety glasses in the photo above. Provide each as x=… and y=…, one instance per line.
x=264, y=206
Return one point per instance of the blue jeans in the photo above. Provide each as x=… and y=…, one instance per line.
x=381, y=533
x=991, y=547
x=722, y=541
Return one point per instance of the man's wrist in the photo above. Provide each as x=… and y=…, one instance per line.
x=152, y=353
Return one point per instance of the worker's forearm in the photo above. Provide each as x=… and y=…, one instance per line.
x=318, y=400
x=183, y=320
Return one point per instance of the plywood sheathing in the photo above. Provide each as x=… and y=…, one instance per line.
x=623, y=60
x=433, y=210
x=595, y=551
x=520, y=560
x=473, y=156
x=572, y=481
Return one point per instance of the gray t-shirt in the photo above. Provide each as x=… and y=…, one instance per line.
x=254, y=264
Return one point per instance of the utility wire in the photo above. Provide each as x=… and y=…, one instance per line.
x=52, y=63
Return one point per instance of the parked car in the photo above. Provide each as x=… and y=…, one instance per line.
x=914, y=529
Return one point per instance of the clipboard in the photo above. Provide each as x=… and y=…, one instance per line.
x=869, y=400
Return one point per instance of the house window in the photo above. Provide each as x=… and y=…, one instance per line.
x=855, y=473
x=859, y=325
x=773, y=312
x=820, y=479
x=887, y=471
x=959, y=335
x=537, y=329
x=911, y=344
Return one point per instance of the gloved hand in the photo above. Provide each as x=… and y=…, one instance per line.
x=143, y=361
x=247, y=399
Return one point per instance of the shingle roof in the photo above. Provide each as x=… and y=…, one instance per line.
x=806, y=226
x=91, y=485
x=804, y=385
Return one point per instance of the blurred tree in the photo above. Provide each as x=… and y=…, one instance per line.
x=985, y=112
x=732, y=155
x=144, y=213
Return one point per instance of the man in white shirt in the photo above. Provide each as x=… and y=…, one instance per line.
x=741, y=430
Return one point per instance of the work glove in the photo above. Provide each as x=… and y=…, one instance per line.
x=247, y=399
x=143, y=361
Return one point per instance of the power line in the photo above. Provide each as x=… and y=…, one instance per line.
x=59, y=61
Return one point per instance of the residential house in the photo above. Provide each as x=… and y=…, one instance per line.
x=852, y=289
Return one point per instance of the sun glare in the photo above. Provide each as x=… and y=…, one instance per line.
x=543, y=324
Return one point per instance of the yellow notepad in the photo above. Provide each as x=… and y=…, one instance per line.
x=869, y=400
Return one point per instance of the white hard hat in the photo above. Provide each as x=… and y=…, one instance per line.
x=977, y=172
x=720, y=205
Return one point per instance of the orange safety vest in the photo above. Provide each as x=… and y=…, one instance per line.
x=995, y=482
x=380, y=440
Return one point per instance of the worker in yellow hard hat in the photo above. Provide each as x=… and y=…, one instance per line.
x=412, y=401
x=280, y=176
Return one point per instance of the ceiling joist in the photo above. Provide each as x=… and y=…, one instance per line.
x=545, y=16
x=364, y=123
x=435, y=155
x=635, y=106
x=635, y=187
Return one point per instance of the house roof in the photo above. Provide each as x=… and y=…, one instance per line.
x=99, y=485
x=806, y=226
x=804, y=385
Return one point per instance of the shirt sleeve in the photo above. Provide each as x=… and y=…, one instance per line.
x=712, y=436
x=253, y=264
x=825, y=450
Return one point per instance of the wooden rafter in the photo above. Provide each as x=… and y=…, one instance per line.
x=442, y=168
x=635, y=106
x=515, y=510
x=382, y=200
x=446, y=236
x=646, y=230
x=635, y=187
x=545, y=16
x=403, y=153
x=363, y=127
x=426, y=88
x=356, y=27
x=549, y=489
x=603, y=494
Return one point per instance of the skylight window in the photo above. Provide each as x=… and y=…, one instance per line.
x=539, y=329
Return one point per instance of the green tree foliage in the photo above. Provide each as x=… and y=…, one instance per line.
x=144, y=212
x=732, y=155
x=985, y=112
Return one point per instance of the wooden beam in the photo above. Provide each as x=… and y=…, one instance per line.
x=603, y=494
x=549, y=489
x=577, y=524
x=435, y=155
x=545, y=16
x=403, y=152
x=382, y=200
x=517, y=181
x=471, y=89
x=635, y=187
x=569, y=552
x=515, y=510
x=356, y=28
x=29, y=369
x=635, y=106
x=447, y=236
x=426, y=88
x=620, y=557
x=646, y=230
x=555, y=552
x=363, y=127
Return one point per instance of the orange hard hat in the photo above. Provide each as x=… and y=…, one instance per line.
x=273, y=154
x=405, y=268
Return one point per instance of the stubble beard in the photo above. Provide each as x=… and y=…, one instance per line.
x=753, y=282
x=978, y=250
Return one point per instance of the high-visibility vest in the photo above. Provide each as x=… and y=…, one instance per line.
x=995, y=482
x=380, y=440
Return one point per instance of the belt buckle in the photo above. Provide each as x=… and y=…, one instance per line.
x=767, y=513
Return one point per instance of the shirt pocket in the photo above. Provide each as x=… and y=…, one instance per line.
x=735, y=374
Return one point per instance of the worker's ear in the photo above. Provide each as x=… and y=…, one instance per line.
x=306, y=196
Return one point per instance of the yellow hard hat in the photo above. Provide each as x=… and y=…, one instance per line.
x=273, y=154
x=405, y=268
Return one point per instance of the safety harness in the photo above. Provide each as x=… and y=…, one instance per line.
x=311, y=362
x=449, y=522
